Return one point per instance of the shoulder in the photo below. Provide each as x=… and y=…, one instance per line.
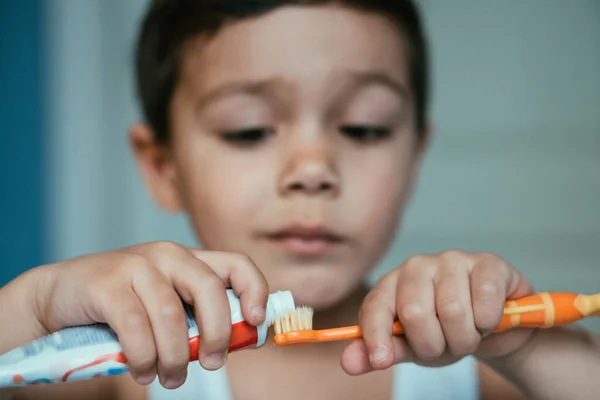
x=456, y=381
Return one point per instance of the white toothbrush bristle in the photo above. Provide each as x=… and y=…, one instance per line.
x=299, y=319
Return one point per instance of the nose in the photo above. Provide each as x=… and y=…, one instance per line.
x=309, y=172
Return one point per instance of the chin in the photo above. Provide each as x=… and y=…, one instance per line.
x=319, y=291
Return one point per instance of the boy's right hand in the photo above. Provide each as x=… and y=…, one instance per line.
x=138, y=292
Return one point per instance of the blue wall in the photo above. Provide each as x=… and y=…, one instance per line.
x=21, y=137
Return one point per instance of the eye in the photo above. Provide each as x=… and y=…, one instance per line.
x=249, y=136
x=365, y=133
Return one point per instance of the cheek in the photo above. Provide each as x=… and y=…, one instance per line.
x=222, y=196
x=381, y=187
x=378, y=194
x=232, y=194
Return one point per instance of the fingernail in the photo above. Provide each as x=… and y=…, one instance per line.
x=257, y=312
x=213, y=361
x=174, y=382
x=379, y=355
x=146, y=379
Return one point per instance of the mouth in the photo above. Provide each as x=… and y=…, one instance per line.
x=305, y=240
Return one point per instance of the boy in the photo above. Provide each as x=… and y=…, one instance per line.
x=291, y=133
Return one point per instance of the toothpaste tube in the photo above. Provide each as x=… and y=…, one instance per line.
x=85, y=352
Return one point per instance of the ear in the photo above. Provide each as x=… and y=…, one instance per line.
x=155, y=163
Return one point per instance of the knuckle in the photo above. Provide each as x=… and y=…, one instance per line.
x=438, y=351
x=213, y=283
x=172, y=363
x=452, y=310
x=142, y=360
x=451, y=254
x=367, y=326
x=110, y=302
x=486, y=255
x=487, y=291
x=133, y=320
x=431, y=351
x=172, y=313
x=382, y=281
x=452, y=258
x=487, y=322
x=217, y=338
x=465, y=347
x=487, y=318
x=488, y=288
x=135, y=262
x=428, y=347
x=473, y=345
x=242, y=260
x=412, y=314
x=166, y=247
x=141, y=353
x=416, y=261
x=370, y=304
x=491, y=262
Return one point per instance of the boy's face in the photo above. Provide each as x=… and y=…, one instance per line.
x=293, y=141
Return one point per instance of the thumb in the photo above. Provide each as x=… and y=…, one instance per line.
x=355, y=358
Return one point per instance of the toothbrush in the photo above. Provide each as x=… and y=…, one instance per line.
x=541, y=310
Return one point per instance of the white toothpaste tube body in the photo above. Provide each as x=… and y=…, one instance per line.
x=85, y=352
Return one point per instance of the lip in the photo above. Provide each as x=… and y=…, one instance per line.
x=305, y=240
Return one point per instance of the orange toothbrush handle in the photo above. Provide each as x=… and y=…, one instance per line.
x=397, y=328
x=542, y=310
x=347, y=332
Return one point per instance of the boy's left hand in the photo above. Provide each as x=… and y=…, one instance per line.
x=448, y=304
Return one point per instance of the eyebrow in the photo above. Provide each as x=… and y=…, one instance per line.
x=265, y=86
x=382, y=79
x=252, y=88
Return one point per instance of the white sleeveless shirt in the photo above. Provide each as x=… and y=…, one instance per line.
x=458, y=381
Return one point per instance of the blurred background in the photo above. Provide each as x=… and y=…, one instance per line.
x=514, y=168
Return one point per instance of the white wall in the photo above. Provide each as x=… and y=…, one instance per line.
x=98, y=201
x=514, y=169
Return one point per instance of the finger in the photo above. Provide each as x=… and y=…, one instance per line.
x=206, y=291
x=517, y=285
x=235, y=270
x=169, y=325
x=417, y=311
x=355, y=357
x=245, y=278
x=454, y=309
x=514, y=286
x=376, y=317
x=198, y=285
x=124, y=313
x=489, y=287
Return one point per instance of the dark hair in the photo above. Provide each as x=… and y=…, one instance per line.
x=169, y=24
